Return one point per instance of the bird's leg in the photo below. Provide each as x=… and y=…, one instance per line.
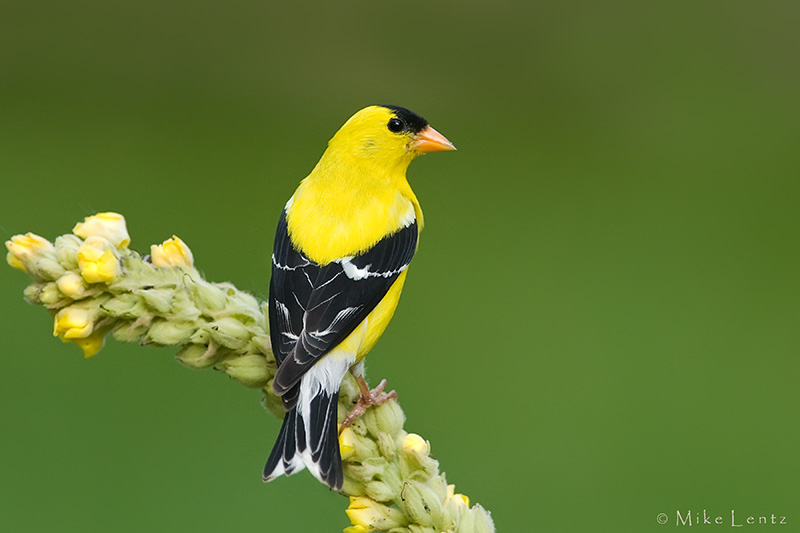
x=368, y=397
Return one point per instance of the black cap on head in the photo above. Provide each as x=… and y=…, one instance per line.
x=409, y=121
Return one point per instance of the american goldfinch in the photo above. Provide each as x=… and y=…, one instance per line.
x=341, y=254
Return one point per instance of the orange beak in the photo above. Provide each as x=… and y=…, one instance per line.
x=430, y=140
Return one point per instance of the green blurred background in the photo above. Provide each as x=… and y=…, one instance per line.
x=601, y=323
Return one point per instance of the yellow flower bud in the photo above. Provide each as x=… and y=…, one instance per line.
x=91, y=344
x=24, y=250
x=357, y=529
x=415, y=458
x=97, y=261
x=110, y=226
x=73, y=323
x=360, y=512
x=172, y=252
x=371, y=515
x=14, y=262
x=458, y=498
x=72, y=285
x=347, y=444
x=415, y=444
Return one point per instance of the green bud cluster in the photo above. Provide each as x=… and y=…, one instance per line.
x=93, y=289
x=393, y=483
x=214, y=324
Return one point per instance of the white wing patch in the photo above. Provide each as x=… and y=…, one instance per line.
x=287, y=267
x=355, y=273
x=284, y=321
x=341, y=316
x=352, y=271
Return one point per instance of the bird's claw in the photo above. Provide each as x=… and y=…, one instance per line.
x=368, y=398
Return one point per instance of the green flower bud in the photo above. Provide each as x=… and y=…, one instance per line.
x=32, y=293
x=240, y=302
x=365, y=448
x=50, y=296
x=67, y=251
x=252, y=346
x=169, y=332
x=201, y=335
x=249, y=370
x=139, y=274
x=371, y=467
x=160, y=300
x=452, y=512
x=199, y=356
x=482, y=519
x=261, y=344
x=130, y=331
x=386, y=445
x=49, y=268
x=379, y=491
x=182, y=307
x=439, y=486
x=229, y=332
x=352, y=486
x=209, y=298
x=420, y=503
x=415, y=528
x=466, y=522
x=387, y=418
x=271, y=401
x=125, y=305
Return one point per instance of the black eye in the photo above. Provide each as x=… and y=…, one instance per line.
x=396, y=125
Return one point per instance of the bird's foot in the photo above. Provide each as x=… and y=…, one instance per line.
x=368, y=398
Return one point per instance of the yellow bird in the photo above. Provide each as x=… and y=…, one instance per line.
x=342, y=249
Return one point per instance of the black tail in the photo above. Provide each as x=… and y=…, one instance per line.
x=318, y=450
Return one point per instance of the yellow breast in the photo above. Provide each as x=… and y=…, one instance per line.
x=329, y=218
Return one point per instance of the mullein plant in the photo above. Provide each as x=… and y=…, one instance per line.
x=94, y=285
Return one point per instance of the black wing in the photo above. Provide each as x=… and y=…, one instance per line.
x=313, y=308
